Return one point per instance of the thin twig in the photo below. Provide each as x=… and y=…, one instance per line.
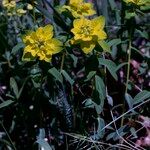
x=132, y=146
x=138, y=145
x=125, y=113
x=90, y=140
x=135, y=132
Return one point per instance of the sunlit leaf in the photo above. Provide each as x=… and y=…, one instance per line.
x=67, y=77
x=53, y=71
x=105, y=46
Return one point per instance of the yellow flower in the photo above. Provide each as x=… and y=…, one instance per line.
x=78, y=8
x=9, y=4
x=41, y=44
x=11, y=8
x=137, y=2
x=87, y=32
x=21, y=11
x=29, y=7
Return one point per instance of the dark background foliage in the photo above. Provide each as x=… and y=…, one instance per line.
x=69, y=103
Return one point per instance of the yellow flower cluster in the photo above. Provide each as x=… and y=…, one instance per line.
x=11, y=7
x=9, y=4
x=79, y=8
x=87, y=32
x=41, y=44
x=138, y=2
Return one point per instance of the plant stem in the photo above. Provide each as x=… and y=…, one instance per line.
x=8, y=136
x=128, y=74
x=128, y=68
x=62, y=61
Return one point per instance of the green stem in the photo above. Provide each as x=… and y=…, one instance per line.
x=128, y=75
x=8, y=136
x=128, y=66
x=62, y=61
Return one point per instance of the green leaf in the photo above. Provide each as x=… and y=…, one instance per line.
x=100, y=88
x=88, y=103
x=6, y=103
x=110, y=136
x=141, y=97
x=14, y=87
x=121, y=65
x=111, y=66
x=90, y=75
x=16, y=48
x=120, y=132
x=44, y=144
x=137, y=50
x=114, y=42
x=143, y=34
x=99, y=108
x=129, y=15
x=27, y=57
x=53, y=71
x=21, y=89
x=145, y=7
x=112, y=4
x=75, y=60
x=101, y=125
x=133, y=132
x=129, y=100
x=67, y=77
x=105, y=46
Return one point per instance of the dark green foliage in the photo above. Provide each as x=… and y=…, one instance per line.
x=77, y=101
